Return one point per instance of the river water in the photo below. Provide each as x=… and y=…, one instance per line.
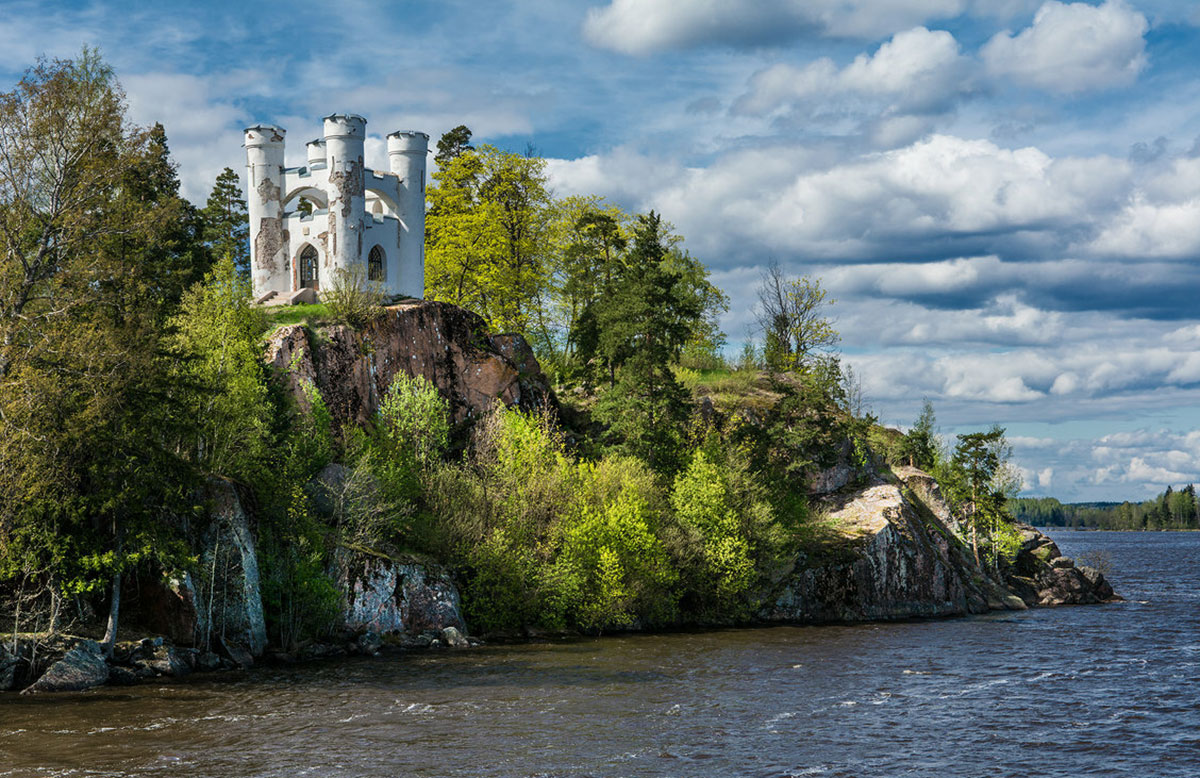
x=1111, y=690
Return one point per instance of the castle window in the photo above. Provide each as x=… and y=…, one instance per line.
x=309, y=278
x=375, y=264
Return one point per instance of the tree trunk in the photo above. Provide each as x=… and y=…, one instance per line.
x=114, y=610
x=975, y=540
x=114, y=607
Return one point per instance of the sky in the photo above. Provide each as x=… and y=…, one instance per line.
x=1003, y=196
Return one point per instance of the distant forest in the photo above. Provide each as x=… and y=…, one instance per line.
x=1170, y=510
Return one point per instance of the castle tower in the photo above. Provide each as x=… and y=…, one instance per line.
x=264, y=177
x=406, y=156
x=315, y=150
x=344, y=136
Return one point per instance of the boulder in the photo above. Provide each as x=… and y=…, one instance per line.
x=208, y=662
x=369, y=643
x=1040, y=575
x=453, y=638
x=82, y=667
x=169, y=661
x=386, y=595
x=326, y=487
x=8, y=677
x=122, y=676
x=447, y=344
x=235, y=652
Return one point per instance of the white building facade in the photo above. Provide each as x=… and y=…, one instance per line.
x=333, y=213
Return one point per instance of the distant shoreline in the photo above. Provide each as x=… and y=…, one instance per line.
x=1047, y=528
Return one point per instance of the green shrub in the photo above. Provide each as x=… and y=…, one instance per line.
x=611, y=566
x=351, y=298
x=414, y=419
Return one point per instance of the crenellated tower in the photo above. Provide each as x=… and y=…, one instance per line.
x=406, y=156
x=264, y=202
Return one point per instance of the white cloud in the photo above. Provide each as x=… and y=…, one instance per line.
x=1145, y=229
x=1141, y=471
x=203, y=126
x=1072, y=48
x=1161, y=217
x=646, y=26
x=789, y=200
x=916, y=70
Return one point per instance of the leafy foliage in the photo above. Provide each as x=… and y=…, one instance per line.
x=351, y=298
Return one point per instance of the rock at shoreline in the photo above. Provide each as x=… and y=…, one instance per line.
x=384, y=595
x=454, y=638
x=1043, y=577
x=82, y=667
x=894, y=554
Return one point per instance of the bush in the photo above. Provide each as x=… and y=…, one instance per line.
x=352, y=299
x=414, y=419
x=611, y=566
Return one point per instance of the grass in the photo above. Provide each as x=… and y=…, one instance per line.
x=730, y=389
x=281, y=315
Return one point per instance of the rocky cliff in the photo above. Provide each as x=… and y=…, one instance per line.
x=446, y=344
x=896, y=551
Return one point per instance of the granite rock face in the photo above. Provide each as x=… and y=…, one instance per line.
x=233, y=593
x=1042, y=576
x=898, y=558
x=446, y=344
x=383, y=595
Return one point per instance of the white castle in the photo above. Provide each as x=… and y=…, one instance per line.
x=334, y=213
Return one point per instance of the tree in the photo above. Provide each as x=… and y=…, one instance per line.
x=652, y=313
x=587, y=244
x=453, y=143
x=791, y=317
x=920, y=445
x=486, y=235
x=219, y=333
x=97, y=249
x=226, y=221
x=982, y=478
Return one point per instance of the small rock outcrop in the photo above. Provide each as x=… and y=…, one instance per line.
x=81, y=667
x=224, y=597
x=446, y=344
x=896, y=557
x=898, y=552
x=388, y=596
x=1042, y=576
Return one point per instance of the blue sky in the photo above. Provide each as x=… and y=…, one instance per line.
x=1003, y=195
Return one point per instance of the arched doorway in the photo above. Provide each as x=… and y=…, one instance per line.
x=375, y=264
x=309, y=274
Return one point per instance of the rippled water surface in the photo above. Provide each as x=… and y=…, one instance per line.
x=1102, y=690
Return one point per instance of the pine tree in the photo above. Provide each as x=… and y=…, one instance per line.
x=643, y=327
x=226, y=222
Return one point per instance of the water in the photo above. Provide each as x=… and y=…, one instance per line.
x=1102, y=690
